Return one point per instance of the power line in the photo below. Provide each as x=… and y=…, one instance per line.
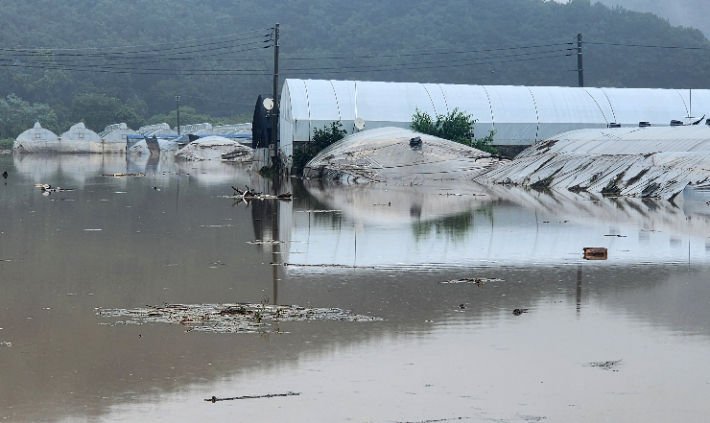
x=255, y=72
x=420, y=53
x=122, y=67
x=431, y=62
x=141, y=45
x=647, y=46
x=36, y=53
x=490, y=61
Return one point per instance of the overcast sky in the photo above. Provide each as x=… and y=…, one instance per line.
x=692, y=13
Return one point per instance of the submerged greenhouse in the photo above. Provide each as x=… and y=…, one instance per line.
x=519, y=115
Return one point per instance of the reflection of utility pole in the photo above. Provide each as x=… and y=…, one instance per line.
x=579, y=288
x=276, y=257
x=177, y=104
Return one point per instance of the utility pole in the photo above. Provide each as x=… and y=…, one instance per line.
x=580, y=68
x=275, y=110
x=177, y=104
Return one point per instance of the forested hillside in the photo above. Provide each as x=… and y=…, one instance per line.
x=691, y=13
x=130, y=58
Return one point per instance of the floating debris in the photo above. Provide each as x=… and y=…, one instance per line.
x=437, y=420
x=251, y=194
x=595, y=253
x=123, y=175
x=231, y=318
x=267, y=242
x=606, y=365
x=477, y=281
x=318, y=211
x=47, y=189
x=519, y=311
x=339, y=266
x=287, y=394
x=5, y=344
x=529, y=419
x=93, y=230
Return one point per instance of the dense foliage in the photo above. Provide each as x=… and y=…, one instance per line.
x=395, y=40
x=16, y=115
x=322, y=138
x=455, y=126
x=679, y=12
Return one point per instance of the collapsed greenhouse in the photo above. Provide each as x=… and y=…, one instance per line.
x=519, y=115
x=397, y=155
x=637, y=162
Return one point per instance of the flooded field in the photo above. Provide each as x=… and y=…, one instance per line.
x=450, y=302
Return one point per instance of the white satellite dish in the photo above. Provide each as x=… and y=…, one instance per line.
x=359, y=124
x=268, y=104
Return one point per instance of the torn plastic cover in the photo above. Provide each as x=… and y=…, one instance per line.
x=216, y=148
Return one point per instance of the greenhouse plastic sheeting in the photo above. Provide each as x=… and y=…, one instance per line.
x=385, y=154
x=215, y=148
x=641, y=162
x=519, y=115
x=78, y=140
x=37, y=140
x=158, y=146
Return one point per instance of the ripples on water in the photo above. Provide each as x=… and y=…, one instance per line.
x=173, y=234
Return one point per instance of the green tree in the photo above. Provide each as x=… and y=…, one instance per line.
x=322, y=138
x=99, y=110
x=190, y=116
x=455, y=126
x=18, y=115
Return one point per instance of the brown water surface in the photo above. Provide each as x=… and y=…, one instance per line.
x=444, y=351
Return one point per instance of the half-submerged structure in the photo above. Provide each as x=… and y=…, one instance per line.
x=638, y=162
x=37, y=140
x=114, y=139
x=215, y=148
x=79, y=139
x=519, y=115
x=397, y=155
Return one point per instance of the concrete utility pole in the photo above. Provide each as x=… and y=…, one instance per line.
x=177, y=104
x=275, y=110
x=580, y=68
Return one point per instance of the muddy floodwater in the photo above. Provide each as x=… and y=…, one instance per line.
x=446, y=302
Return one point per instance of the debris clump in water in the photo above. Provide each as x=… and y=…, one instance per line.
x=477, y=281
x=606, y=365
x=230, y=318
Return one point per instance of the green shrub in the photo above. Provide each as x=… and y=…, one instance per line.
x=6, y=143
x=322, y=138
x=455, y=126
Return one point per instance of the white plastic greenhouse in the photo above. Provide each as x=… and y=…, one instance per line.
x=79, y=139
x=519, y=115
x=114, y=138
x=37, y=140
